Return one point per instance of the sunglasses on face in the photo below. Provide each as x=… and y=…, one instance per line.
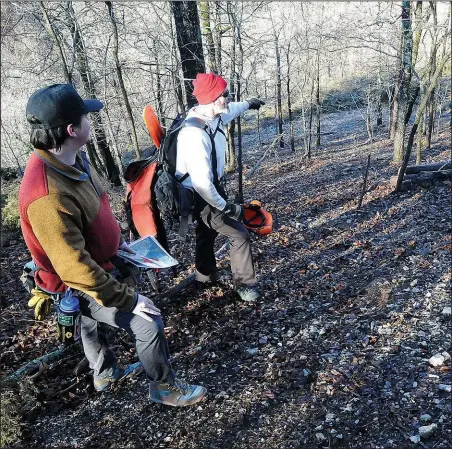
x=225, y=94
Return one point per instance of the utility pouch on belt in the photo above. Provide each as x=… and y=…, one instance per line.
x=128, y=273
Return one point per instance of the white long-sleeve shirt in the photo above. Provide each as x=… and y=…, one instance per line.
x=194, y=150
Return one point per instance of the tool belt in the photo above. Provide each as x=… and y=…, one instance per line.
x=198, y=203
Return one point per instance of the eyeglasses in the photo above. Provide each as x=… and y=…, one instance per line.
x=225, y=94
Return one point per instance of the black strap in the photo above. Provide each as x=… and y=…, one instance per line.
x=181, y=180
x=214, y=151
x=257, y=214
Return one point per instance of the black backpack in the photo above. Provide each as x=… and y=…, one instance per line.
x=173, y=199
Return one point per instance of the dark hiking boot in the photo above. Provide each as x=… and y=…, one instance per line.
x=176, y=393
x=248, y=293
x=105, y=383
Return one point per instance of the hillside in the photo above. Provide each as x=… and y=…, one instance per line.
x=335, y=355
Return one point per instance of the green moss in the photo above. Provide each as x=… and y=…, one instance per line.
x=11, y=426
x=10, y=210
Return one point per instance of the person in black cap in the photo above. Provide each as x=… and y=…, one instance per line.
x=72, y=235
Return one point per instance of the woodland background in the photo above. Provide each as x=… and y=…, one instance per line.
x=303, y=58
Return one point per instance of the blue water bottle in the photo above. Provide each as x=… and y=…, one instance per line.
x=69, y=319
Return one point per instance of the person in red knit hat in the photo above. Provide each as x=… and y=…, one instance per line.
x=201, y=160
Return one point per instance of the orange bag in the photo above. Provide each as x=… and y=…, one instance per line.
x=257, y=219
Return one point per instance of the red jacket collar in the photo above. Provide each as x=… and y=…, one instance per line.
x=67, y=170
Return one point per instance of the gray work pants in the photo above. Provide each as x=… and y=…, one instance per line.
x=214, y=222
x=150, y=341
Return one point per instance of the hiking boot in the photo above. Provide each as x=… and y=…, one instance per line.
x=248, y=293
x=176, y=393
x=203, y=278
x=105, y=383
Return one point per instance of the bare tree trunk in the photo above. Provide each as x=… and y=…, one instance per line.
x=49, y=28
x=317, y=100
x=231, y=128
x=237, y=35
x=278, y=92
x=394, y=105
x=405, y=77
x=289, y=103
x=159, y=90
x=311, y=110
x=218, y=35
x=393, y=108
x=430, y=119
x=379, y=112
x=369, y=115
x=121, y=80
x=189, y=41
x=413, y=94
x=175, y=78
x=378, y=107
x=109, y=125
x=81, y=58
x=419, y=143
x=430, y=110
x=93, y=156
x=204, y=8
x=303, y=121
x=417, y=120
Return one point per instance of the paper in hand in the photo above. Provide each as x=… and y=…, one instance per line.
x=149, y=254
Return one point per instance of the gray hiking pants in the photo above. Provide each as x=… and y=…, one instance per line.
x=214, y=222
x=150, y=341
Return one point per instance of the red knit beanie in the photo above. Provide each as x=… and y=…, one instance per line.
x=208, y=87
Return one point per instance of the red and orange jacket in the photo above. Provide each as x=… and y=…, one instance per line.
x=70, y=229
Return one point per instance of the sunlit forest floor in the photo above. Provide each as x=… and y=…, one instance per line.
x=335, y=355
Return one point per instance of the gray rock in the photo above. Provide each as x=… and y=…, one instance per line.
x=425, y=417
x=447, y=311
x=415, y=438
x=436, y=360
x=384, y=330
x=427, y=431
x=444, y=387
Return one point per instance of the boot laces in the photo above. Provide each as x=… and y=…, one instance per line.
x=178, y=386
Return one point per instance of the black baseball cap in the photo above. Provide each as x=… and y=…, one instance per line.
x=57, y=105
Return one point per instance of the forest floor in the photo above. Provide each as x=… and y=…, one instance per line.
x=336, y=353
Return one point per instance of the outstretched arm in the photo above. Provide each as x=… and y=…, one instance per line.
x=237, y=108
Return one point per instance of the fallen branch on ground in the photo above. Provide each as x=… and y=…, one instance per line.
x=36, y=364
x=412, y=169
x=422, y=178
